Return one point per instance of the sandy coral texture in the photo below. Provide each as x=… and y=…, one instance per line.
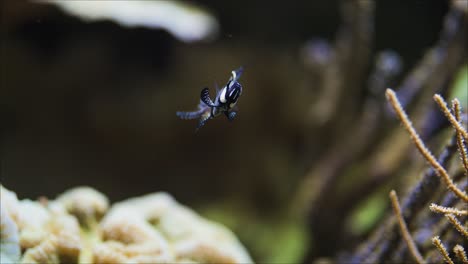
x=79, y=226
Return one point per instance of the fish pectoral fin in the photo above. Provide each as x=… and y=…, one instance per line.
x=230, y=115
x=202, y=121
x=205, y=97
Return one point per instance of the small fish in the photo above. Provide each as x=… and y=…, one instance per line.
x=224, y=103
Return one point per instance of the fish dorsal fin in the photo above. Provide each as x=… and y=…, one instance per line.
x=205, y=97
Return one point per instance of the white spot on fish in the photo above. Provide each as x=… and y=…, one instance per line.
x=222, y=97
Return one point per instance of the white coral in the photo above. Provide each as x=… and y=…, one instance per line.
x=83, y=202
x=150, y=229
x=9, y=236
x=139, y=222
x=42, y=234
x=185, y=21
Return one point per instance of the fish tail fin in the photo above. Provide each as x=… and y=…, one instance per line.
x=188, y=115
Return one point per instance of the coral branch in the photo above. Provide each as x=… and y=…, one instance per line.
x=404, y=229
x=460, y=129
x=447, y=210
x=436, y=241
x=391, y=96
x=460, y=253
x=461, y=146
x=457, y=224
x=374, y=250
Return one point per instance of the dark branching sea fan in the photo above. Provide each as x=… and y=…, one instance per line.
x=429, y=225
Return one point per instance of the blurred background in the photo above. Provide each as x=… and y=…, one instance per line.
x=91, y=101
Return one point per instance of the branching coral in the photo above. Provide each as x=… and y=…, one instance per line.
x=404, y=229
x=367, y=155
x=453, y=120
x=460, y=252
x=382, y=245
x=441, y=172
x=443, y=251
x=149, y=229
x=454, y=221
x=447, y=210
x=460, y=140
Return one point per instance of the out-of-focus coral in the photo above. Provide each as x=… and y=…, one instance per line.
x=185, y=21
x=413, y=244
x=83, y=202
x=150, y=229
x=366, y=154
x=9, y=237
x=44, y=236
x=155, y=227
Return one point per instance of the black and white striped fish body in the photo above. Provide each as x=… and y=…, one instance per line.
x=224, y=103
x=226, y=98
